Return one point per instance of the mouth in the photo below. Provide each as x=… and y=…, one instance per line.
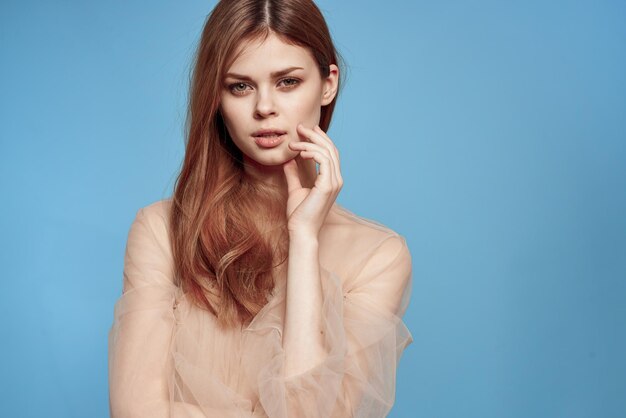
x=270, y=139
x=268, y=133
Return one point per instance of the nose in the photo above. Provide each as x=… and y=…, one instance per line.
x=265, y=105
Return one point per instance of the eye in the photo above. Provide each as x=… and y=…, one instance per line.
x=292, y=82
x=234, y=90
x=235, y=87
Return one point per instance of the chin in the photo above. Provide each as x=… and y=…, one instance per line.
x=275, y=159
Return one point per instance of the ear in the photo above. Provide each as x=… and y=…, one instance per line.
x=330, y=84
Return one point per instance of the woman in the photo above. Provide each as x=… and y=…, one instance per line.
x=251, y=292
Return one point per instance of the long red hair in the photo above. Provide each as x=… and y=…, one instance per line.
x=224, y=258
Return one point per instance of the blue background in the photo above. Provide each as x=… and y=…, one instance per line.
x=491, y=134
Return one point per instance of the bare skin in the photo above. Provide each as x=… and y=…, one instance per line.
x=307, y=209
x=295, y=107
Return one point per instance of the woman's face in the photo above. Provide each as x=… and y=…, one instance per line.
x=252, y=98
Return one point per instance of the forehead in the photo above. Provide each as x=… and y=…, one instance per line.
x=259, y=56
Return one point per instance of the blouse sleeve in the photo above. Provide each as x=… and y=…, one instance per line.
x=140, y=337
x=364, y=338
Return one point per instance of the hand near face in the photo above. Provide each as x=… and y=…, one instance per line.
x=307, y=208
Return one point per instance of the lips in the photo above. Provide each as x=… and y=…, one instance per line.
x=269, y=137
x=271, y=132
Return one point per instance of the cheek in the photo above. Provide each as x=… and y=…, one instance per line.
x=306, y=107
x=229, y=114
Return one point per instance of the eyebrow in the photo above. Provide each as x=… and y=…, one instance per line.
x=275, y=74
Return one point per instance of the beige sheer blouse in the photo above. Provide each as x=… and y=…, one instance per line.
x=167, y=358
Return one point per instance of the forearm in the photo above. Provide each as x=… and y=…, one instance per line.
x=302, y=333
x=303, y=340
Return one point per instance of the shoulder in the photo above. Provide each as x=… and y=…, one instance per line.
x=378, y=258
x=365, y=241
x=148, y=259
x=153, y=220
x=156, y=211
x=367, y=232
x=155, y=214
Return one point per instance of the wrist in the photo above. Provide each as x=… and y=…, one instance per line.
x=303, y=238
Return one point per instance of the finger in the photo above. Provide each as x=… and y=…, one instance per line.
x=314, y=136
x=309, y=146
x=290, y=169
x=324, y=180
x=318, y=136
x=326, y=138
x=334, y=152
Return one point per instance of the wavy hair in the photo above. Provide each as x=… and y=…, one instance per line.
x=224, y=254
